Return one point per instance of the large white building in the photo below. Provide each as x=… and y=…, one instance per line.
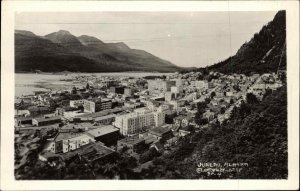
x=139, y=119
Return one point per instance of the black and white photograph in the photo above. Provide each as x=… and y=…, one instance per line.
x=151, y=95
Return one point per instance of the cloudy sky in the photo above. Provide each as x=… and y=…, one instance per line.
x=184, y=38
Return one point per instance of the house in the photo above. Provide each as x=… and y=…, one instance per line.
x=46, y=121
x=184, y=131
x=21, y=121
x=91, y=152
x=171, y=142
x=158, y=147
x=70, y=140
x=22, y=113
x=106, y=134
x=160, y=133
x=183, y=120
x=45, y=156
x=39, y=110
x=133, y=143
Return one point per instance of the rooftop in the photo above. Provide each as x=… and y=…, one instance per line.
x=92, y=151
x=79, y=126
x=100, y=131
x=105, y=117
x=132, y=140
x=103, y=113
x=159, y=131
x=23, y=118
x=67, y=135
x=47, y=119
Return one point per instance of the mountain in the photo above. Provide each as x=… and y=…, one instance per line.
x=89, y=40
x=34, y=53
x=26, y=33
x=265, y=52
x=62, y=51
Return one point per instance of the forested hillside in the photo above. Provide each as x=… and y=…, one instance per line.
x=265, y=52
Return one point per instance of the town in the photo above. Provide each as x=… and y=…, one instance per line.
x=108, y=116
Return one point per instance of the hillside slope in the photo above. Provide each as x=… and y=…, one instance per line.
x=265, y=52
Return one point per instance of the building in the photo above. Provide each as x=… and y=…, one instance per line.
x=158, y=147
x=46, y=121
x=200, y=84
x=184, y=131
x=133, y=144
x=59, y=111
x=106, y=120
x=108, y=83
x=76, y=103
x=106, y=134
x=39, y=110
x=182, y=121
x=139, y=119
x=117, y=90
x=160, y=86
x=21, y=121
x=128, y=91
x=92, y=106
x=91, y=152
x=159, y=117
x=160, y=133
x=176, y=91
x=22, y=113
x=70, y=140
x=89, y=106
x=179, y=84
x=169, y=96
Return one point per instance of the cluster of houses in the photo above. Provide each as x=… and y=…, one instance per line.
x=111, y=115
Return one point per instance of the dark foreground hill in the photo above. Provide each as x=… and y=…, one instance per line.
x=62, y=51
x=265, y=52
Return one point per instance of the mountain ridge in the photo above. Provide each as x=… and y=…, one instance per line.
x=32, y=52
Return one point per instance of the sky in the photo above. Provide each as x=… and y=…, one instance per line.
x=188, y=39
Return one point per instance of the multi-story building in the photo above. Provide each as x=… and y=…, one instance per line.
x=141, y=118
x=68, y=141
x=92, y=106
x=160, y=86
x=89, y=106
x=76, y=103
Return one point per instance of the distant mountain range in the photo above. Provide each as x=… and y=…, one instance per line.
x=62, y=51
x=265, y=52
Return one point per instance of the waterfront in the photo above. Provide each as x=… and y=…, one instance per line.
x=28, y=83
